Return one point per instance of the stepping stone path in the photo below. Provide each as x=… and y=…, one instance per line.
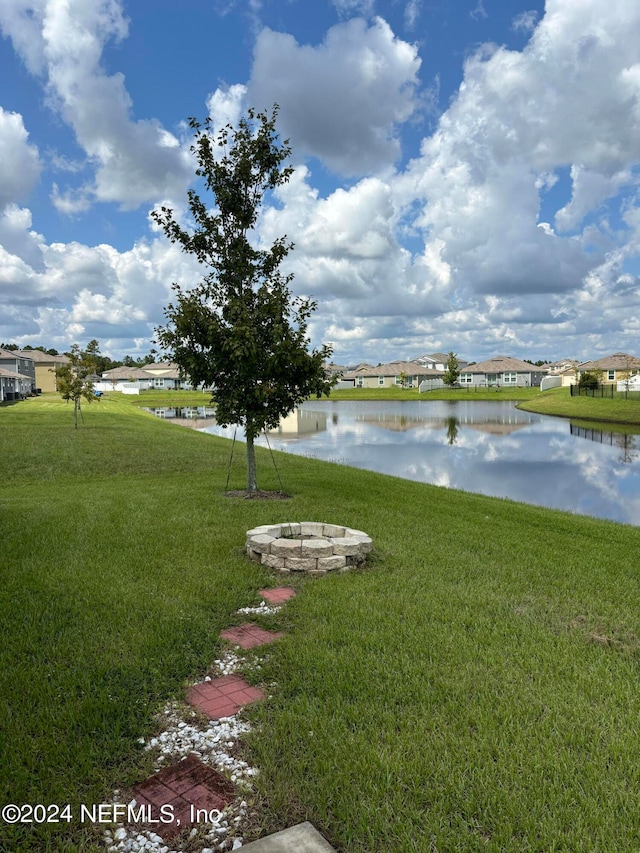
x=189, y=791
x=249, y=636
x=223, y=697
x=187, y=786
x=279, y=595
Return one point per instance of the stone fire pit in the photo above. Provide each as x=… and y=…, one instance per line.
x=307, y=546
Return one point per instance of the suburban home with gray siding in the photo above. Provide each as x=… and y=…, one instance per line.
x=391, y=375
x=17, y=375
x=502, y=371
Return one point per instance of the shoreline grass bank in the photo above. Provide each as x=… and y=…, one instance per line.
x=474, y=688
x=559, y=403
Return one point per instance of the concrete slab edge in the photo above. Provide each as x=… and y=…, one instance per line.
x=302, y=838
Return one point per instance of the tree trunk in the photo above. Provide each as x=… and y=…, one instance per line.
x=76, y=406
x=252, y=485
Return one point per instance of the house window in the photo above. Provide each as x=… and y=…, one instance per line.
x=611, y=375
x=466, y=378
x=381, y=380
x=158, y=383
x=492, y=378
x=510, y=378
x=359, y=382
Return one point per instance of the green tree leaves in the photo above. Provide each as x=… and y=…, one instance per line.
x=240, y=330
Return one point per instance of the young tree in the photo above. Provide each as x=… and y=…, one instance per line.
x=73, y=382
x=590, y=379
x=240, y=330
x=452, y=372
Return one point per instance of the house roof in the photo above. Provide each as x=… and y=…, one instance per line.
x=10, y=353
x=439, y=357
x=40, y=357
x=616, y=361
x=164, y=370
x=561, y=362
x=126, y=373
x=393, y=368
x=504, y=364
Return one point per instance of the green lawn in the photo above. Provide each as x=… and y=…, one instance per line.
x=474, y=688
x=558, y=401
x=397, y=393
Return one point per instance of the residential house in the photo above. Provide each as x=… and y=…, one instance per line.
x=615, y=368
x=45, y=367
x=17, y=375
x=502, y=370
x=346, y=377
x=164, y=375
x=556, y=368
x=435, y=361
x=168, y=375
x=129, y=380
x=391, y=374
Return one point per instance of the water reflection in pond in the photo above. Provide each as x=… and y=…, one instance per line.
x=487, y=447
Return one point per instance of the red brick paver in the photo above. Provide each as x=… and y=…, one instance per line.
x=223, y=697
x=172, y=797
x=278, y=595
x=247, y=636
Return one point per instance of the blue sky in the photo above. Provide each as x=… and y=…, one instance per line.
x=466, y=172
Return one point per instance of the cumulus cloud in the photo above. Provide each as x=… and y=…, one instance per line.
x=343, y=100
x=17, y=237
x=227, y=105
x=63, y=42
x=519, y=117
x=19, y=159
x=84, y=292
x=509, y=231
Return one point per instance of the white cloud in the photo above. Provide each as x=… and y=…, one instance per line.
x=518, y=117
x=343, y=100
x=19, y=160
x=346, y=8
x=589, y=190
x=226, y=106
x=134, y=161
x=411, y=13
x=17, y=238
x=525, y=21
x=460, y=250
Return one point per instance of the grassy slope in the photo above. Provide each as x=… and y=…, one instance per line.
x=474, y=689
x=558, y=401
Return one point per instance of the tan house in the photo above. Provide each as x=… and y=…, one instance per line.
x=615, y=367
x=45, y=367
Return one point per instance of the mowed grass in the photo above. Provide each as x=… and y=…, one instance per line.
x=398, y=393
x=558, y=401
x=474, y=688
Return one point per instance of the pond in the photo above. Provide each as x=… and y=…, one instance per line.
x=486, y=447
